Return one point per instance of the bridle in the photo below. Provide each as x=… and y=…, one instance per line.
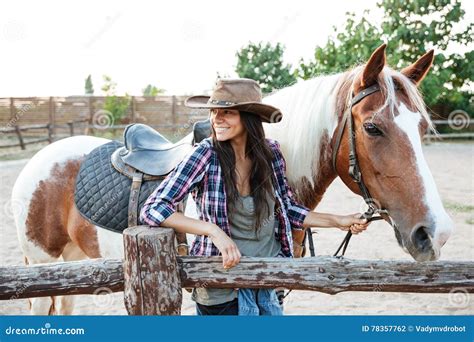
x=354, y=169
x=354, y=172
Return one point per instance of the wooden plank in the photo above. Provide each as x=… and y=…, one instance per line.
x=29, y=142
x=151, y=275
x=329, y=274
x=323, y=274
x=20, y=138
x=52, y=118
x=74, y=277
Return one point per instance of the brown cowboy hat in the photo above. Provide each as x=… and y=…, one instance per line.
x=241, y=94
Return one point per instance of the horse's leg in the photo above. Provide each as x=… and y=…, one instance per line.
x=40, y=305
x=65, y=304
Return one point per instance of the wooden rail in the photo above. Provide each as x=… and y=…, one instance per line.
x=152, y=276
x=22, y=143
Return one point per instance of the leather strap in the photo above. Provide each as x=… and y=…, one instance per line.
x=354, y=169
x=133, y=199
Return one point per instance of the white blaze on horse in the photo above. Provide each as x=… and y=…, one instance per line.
x=388, y=128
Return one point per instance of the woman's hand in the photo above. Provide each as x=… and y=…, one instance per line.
x=352, y=222
x=229, y=250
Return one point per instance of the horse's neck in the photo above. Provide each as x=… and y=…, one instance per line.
x=308, y=105
x=311, y=194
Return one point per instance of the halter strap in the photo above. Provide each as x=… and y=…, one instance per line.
x=348, y=113
x=354, y=169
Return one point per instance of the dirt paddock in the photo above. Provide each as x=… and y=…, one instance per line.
x=452, y=165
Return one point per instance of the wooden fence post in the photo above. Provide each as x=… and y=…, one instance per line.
x=132, y=107
x=50, y=128
x=152, y=284
x=12, y=111
x=52, y=119
x=71, y=128
x=173, y=109
x=20, y=138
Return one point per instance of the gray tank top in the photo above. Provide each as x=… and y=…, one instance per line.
x=250, y=241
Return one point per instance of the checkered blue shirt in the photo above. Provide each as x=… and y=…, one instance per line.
x=200, y=174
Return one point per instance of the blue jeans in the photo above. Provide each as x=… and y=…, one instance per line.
x=259, y=302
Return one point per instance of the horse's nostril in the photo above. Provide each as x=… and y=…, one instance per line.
x=421, y=239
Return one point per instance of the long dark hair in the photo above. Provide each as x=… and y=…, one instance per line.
x=261, y=172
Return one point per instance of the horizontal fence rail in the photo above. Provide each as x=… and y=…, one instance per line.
x=152, y=275
x=323, y=274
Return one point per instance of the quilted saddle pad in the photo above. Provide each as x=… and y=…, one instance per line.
x=102, y=193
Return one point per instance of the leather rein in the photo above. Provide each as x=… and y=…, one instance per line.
x=354, y=170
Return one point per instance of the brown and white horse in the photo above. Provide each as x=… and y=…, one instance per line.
x=389, y=150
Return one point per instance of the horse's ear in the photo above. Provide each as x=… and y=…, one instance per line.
x=418, y=70
x=374, y=67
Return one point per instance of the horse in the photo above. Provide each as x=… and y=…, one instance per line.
x=388, y=128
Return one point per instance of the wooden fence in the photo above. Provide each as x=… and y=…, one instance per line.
x=150, y=110
x=50, y=135
x=152, y=275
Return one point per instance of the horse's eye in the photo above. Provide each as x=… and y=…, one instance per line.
x=372, y=129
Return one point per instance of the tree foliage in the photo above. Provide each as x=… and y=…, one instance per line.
x=264, y=63
x=88, y=87
x=151, y=90
x=409, y=28
x=116, y=105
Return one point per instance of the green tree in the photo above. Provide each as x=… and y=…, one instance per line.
x=351, y=46
x=116, y=105
x=89, y=88
x=151, y=90
x=264, y=64
x=409, y=28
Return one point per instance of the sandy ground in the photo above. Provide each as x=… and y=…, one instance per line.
x=452, y=165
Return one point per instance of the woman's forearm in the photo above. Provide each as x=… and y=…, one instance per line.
x=184, y=224
x=322, y=220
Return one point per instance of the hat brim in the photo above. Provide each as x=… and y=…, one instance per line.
x=266, y=112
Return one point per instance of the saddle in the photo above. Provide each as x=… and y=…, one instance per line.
x=148, y=151
x=116, y=179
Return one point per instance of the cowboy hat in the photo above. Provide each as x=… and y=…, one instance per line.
x=242, y=94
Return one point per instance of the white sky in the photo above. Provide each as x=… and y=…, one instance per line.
x=49, y=47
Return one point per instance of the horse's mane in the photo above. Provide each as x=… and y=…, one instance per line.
x=310, y=110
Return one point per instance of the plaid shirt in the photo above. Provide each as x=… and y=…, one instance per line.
x=200, y=173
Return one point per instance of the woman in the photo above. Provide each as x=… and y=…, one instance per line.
x=245, y=206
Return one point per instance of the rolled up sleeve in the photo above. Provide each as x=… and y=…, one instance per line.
x=187, y=174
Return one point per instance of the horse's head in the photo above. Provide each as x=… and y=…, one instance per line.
x=388, y=126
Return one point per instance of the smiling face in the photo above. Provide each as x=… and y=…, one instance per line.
x=227, y=124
